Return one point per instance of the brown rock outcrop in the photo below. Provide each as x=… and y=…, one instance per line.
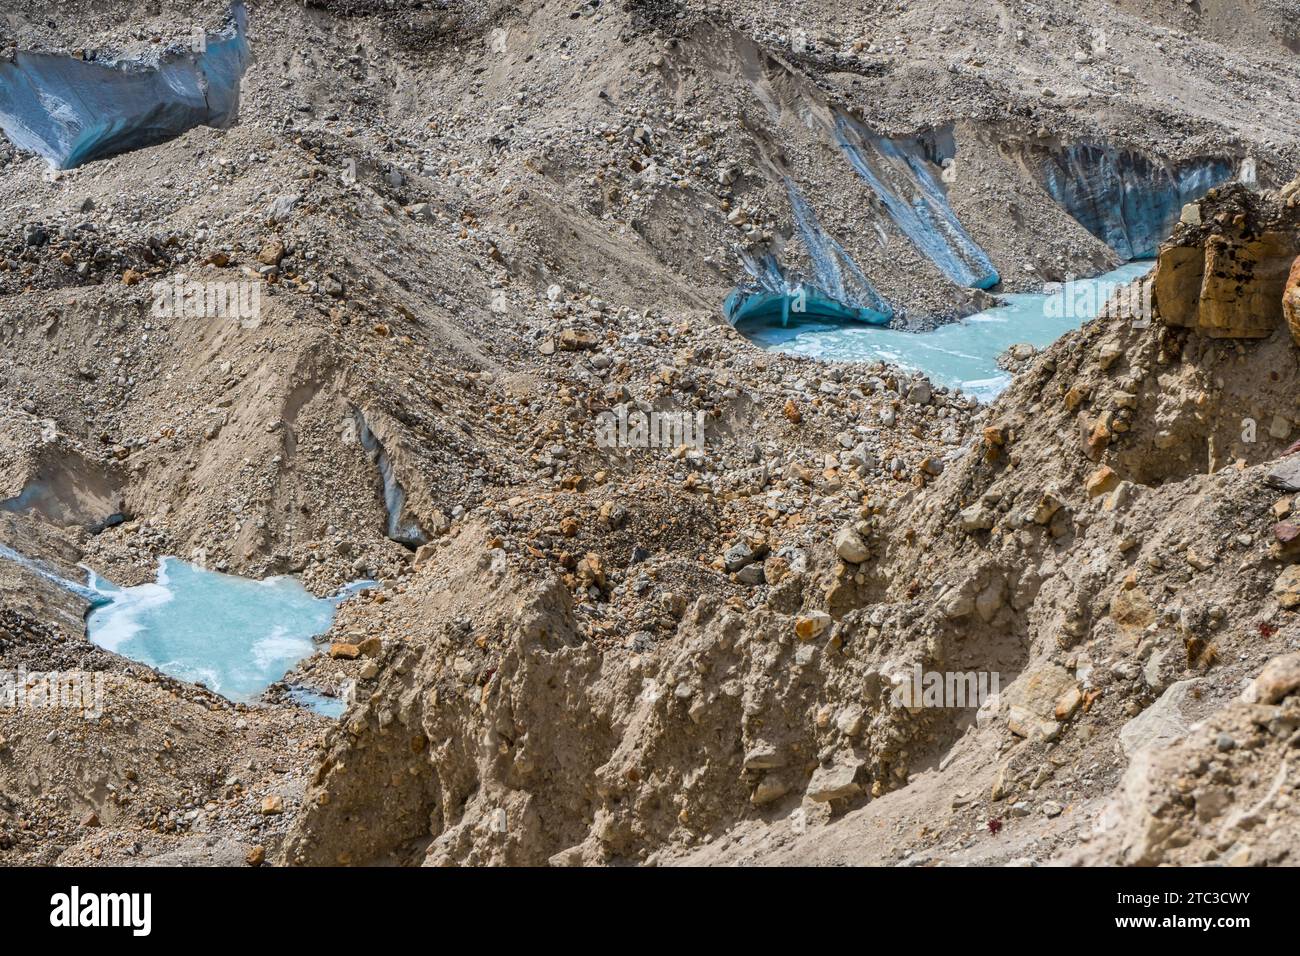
x=1242, y=293
x=1231, y=288
x=1291, y=301
x=1180, y=273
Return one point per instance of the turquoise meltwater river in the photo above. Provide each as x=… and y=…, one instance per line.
x=959, y=355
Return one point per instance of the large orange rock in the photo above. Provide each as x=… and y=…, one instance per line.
x=1180, y=270
x=1291, y=300
x=1241, y=296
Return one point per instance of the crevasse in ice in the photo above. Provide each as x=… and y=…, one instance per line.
x=72, y=111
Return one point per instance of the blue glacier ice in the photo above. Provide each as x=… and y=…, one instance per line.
x=88, y=594
x=71, y=111
x=1125, y=199
x=237, y=636
x=900, y=172
x=836, y=288
x=402, y=526
x=961, y=354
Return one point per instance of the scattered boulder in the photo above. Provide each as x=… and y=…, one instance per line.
x=1285, y=475
x=1025, y=723
x=1287, y=587
x=1279, y=678
x=812, y=625
x=837, y=782
x=976, y=518
x=272, y=805
x=1164, y=722
x=576, y=340
x=1101, y=481
x=850, y=546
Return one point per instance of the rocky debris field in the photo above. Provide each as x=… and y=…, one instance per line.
x=459, y=242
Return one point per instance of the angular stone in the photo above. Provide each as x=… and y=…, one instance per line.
x=770, y=788
x=574, y=340
x=850, y=546
x=1285, y=475
x=1024, y=723
x=1068, y=703
x=835, y=783
x=1287, y=588
x=976, y=518
x=957, y=602
x=271, y=253
x=1279, y=678
x=1101, y=481
x=1286, y=541
x=775, y=569
x=1165, y=721
x=763, y=756
x=850, y=721
x=1038, y=688
x=810, y=626
x=1048, y=505
x=738, y=555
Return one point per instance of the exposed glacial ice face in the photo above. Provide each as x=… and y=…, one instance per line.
x=836, y=288
x=1125, y=199
x=402, y=527
x=88, y=594
x=901, y=173
x=71, y=111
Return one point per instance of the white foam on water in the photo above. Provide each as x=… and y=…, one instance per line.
x=119, y=622
x=278, y=647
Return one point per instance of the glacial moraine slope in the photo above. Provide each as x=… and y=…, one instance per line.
x=473, y=230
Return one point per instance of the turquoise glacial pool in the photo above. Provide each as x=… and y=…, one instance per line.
x=959, y=355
